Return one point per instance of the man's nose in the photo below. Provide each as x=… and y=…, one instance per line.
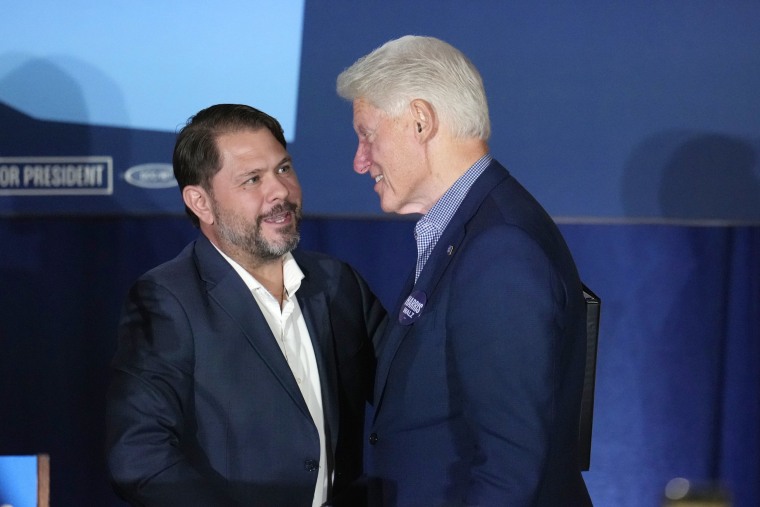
x=276, y=189
x=361, y=160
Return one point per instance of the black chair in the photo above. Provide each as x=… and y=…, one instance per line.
x=593, y=308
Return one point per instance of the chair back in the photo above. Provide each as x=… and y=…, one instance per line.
x=593, y=310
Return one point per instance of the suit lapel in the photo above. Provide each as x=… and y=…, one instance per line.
x=313, y=303
x=394, y=333
x=228, y=290
x=437, y=264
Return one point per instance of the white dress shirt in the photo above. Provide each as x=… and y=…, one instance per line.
x=289, y=329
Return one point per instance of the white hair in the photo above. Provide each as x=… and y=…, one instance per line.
x=414, y=67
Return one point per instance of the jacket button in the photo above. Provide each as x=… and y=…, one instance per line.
x=311, y=465
x=373, y=439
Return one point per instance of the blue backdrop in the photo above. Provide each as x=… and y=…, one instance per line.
x=636, y=125
x=677, y=382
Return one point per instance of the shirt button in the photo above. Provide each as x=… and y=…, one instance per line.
x=311, y=465
x=373, y=439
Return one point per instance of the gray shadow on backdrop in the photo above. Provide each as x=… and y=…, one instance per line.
x=55, y=88
x=38, y=79
x=687, y=175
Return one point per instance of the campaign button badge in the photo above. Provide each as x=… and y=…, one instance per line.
x=412, y=308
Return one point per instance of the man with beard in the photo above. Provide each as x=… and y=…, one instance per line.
x=243, y=365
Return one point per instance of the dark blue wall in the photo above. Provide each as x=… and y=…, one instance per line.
x=677, y=385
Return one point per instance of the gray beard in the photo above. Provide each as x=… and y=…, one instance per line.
x=233, y=231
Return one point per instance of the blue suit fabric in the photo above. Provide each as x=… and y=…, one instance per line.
x=477, y=399
x=203, y=408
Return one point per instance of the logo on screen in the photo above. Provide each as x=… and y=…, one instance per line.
x=151, y=176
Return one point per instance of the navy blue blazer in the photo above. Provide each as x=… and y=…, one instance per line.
x=477, y=393
x=203, y=409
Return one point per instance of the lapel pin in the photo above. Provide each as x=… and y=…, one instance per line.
x=450, y=249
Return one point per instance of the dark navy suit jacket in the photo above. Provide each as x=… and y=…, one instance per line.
x=478, y=399
x=203, y=409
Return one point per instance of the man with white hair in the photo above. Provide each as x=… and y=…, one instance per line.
x=480, y=369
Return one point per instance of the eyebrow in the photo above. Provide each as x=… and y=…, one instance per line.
x=363, y=129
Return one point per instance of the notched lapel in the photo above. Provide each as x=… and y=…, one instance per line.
x=431, y=274
x=439, y=261
x=228, y=290
x=316, y=314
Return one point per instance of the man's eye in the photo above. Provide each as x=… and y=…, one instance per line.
x=286, y=168
x=252, y=179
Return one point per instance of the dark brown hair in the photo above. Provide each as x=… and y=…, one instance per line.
x=196, y=157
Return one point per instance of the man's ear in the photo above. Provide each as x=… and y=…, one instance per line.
x=197, y=199
x=425, y=119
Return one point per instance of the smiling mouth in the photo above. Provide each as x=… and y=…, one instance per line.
x=280, y=214
x=278, y=218
x=378, y=178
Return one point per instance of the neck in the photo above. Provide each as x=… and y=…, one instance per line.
x=449, y=161
x=269, y=275
x=456, y=156
x=267, y=272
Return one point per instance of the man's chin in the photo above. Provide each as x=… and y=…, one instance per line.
x=388, y=207
x=283, y=243
x=278, y=233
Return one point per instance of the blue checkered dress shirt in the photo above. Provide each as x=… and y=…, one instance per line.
x=430, y=227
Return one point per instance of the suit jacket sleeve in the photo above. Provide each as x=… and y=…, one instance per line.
x=375, y=320
x=149, y=402
x=504, y=332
